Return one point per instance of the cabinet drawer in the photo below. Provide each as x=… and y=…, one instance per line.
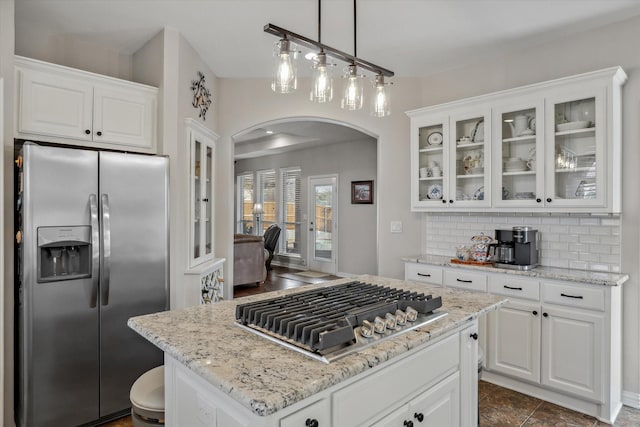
x=465, y=280
x=591, y=298
x=380, y=392
x=517, y=287
x=423, y=273
x=319, y=411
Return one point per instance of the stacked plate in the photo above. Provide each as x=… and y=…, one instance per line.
x=515, y=165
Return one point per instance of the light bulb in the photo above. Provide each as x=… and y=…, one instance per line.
x=322, y=89
x=352, y=98
x=380, y=106
x=285, y=80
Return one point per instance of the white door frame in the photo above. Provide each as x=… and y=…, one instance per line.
x=319, y=264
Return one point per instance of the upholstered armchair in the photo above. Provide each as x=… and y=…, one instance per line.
x=248, y=260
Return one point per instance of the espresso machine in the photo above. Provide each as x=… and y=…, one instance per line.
x=516, y=249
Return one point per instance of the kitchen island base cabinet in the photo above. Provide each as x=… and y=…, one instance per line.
x=434, y=385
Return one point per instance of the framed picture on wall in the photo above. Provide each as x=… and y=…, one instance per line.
x=361, y=192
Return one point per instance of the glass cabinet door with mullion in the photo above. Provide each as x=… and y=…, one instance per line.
x=519, y=139
x=576, y=149
x=470, y=159
x=430, y=164
x=201, y=173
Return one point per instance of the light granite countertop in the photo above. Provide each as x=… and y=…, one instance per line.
x=552, y=273
x=266, y=377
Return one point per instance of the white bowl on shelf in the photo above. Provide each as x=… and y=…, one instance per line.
x=564, y=127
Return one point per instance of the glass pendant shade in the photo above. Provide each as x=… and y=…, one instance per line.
x=380, y=101
x=285, y=78
x=322, y=89
x=352, y=97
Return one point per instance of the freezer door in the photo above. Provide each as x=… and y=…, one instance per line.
x=134, y=205
x=58, y=318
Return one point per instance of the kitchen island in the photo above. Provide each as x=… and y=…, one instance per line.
x=218, y=374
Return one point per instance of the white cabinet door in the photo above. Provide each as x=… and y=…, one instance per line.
x=318, y=414
x=395, y=419
x=469, y=375
x=518, y=154
x=438, y=406
x=572, y=355
x=575, y=153
x=430, y=162
x=470, y=158
x=201, y=174
x=514, y=340
x=124, y=117
x=51, y=104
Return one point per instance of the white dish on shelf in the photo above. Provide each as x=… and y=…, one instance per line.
x=564, y=127
x=515, y=169
x=435, y=191
x=435, y=138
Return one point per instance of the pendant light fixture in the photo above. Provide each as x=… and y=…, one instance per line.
x=285, y=80
x=380, y=101
x=322, y=88
x=352, y=95
x=353, y=89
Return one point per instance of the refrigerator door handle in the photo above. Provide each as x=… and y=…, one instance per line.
x=105, y=260
x=95, y=250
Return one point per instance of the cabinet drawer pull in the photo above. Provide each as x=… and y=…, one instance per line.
x=311, y=422
x=572, y=296
x=424, y=275
x=512, y=288
x=464, y=281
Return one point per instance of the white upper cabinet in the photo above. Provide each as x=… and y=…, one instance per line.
x=63, y=105
x=450, y=160
x=201, y=176
x=550, y=147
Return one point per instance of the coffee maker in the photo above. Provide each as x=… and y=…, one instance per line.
x=516, y=249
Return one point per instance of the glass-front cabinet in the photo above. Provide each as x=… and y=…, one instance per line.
x=470, y=159
x=576, y=149
x=519, y=141
x=430, y=142
x=549, y=147
x=201, y=173
x=452, y=163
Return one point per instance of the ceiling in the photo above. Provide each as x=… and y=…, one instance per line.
x=413, y=38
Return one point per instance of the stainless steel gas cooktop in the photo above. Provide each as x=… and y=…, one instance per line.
x=333, y=321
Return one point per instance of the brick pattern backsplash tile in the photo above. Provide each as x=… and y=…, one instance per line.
x=566, y=240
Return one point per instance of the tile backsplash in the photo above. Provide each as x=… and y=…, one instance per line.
x=566, y=240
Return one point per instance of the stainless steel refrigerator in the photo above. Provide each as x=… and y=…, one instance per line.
x=93, y=253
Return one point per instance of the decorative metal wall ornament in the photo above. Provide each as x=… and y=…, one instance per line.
x=201, y=95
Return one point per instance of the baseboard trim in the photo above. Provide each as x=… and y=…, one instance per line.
x=631, y=399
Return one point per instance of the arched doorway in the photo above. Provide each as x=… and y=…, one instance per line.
x=270, y=157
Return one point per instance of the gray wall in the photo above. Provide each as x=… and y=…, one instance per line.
x=357, y=224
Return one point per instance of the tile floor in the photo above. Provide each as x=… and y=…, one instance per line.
x=501, y=407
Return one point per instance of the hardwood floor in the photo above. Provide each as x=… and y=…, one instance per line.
x=278, y=278
x=499, y=407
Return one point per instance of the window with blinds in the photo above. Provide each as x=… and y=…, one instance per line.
x=290, y=208
x=246, y=192
x=267, y=197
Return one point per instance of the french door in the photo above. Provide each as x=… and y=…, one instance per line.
x=323, y=227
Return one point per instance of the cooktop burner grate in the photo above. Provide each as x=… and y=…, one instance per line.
x=333, y=321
